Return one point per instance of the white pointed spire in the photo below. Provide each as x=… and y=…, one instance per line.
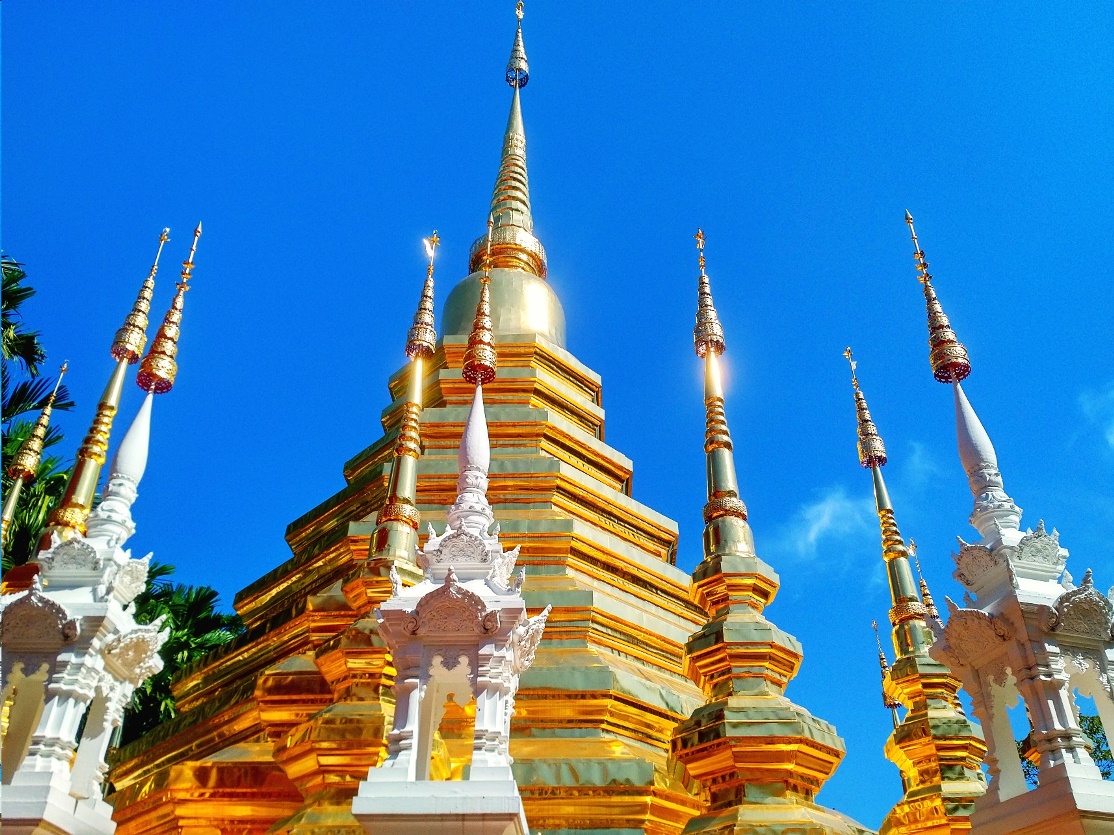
x=994, y=510
x=112, y=520
x=471, y=510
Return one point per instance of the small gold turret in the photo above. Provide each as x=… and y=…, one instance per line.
x=68, y=517
x=947, y=354
x=159, y=367
x=513, y=245
x=397, y=524
x=480, y=358
x=888, y=701
x=926, y=595
x=25, y=463
x=723, y=484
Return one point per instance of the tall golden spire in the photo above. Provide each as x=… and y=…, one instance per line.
x=480, y=358
x=25, y=463
x=723, y=485
x=397, y=523
x=159, y=367
x=947, y=354
x=907, y=614
x=68, y=517
x=513, y=245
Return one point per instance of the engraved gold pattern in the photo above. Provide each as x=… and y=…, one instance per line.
x=159, y=367
x=708, y=333
x=422, y=338
x=872, y=452
x=400, y=511
x=481, y=359
x=948, y=356
x=130, y=339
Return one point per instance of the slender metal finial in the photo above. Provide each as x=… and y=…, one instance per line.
x=132, y=336
x=708, y=334
x=422, y=338
x=884, y=666
x=872, y=451
x=518, y=70
x=926, y=595
x=480, y=358
x=159, y=367
x=854, y=365
x=948, y=356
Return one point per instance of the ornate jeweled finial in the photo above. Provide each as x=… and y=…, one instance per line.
x=950, y=363
x=130, y=339
x=480, y=358
x=159, y=367
x=872, y=452
x=422, y=338
x=518, y=70
x=708, y=333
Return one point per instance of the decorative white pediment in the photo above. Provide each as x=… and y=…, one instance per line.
x=1085, y=612
x=130, y=579
x=972, y=562
x=1041, y=548
x=31, y=620
x=969, y=637
x=525, y=639
x=72, y=555
x=135, y=654
x=451, y=610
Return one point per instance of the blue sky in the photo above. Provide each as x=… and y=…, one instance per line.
x=319, y=143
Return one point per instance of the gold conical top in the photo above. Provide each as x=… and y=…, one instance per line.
x=25, y=463
x=708, y=333
x=512, y=245
x=159, y=367
x=130, y=339
x=422, y=338
x=872, y=452
x=480, y=358
x=947, y=354
x=926, y=596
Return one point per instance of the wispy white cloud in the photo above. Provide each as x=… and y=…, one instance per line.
x=830, y=519
x=1098, y=407
x=919, y=465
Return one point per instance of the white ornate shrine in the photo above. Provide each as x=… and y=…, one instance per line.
x=461, y=633
x=1027, y=635
x=72, y=657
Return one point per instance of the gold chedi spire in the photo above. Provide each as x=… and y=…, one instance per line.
x=947, y=354
x=480, y=358
x=907, y=613
x=68, y=517
x=937, y=749
x=159, y=367
x=513, y=245
x=397, y=523
x=723, y=485
x=25, y=463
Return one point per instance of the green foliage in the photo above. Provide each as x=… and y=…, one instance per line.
x=25, y=392
x=196, y=628
x=1100, y=752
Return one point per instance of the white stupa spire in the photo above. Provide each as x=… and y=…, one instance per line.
x=112, y=519
x=994, y=510
x=471, y=510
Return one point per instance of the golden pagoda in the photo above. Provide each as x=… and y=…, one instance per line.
x=654, y=702
x=938, y=750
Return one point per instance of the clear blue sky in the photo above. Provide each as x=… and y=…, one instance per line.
x=320, y=142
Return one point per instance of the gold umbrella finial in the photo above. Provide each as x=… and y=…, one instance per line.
x=159, y=367
x=708, y=334
x=132, y=336
x=480, y=358
x=887, y=701
x=872, y=451
x=948, y=356
x=422, y=337
x=926, y=595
